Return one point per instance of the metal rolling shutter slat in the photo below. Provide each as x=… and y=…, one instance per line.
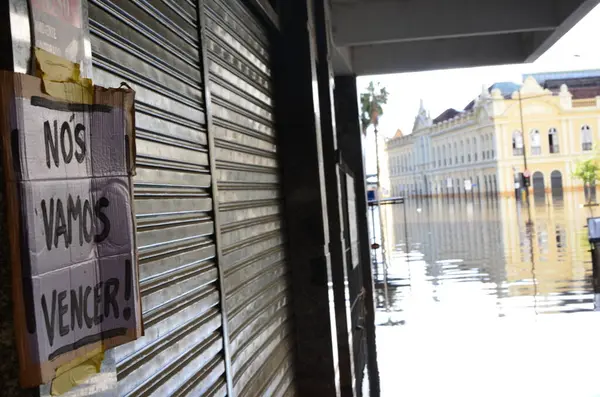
x=290, y=391
x=257, y=289
x=270, y=376
x=283, y=385
x=153, y=46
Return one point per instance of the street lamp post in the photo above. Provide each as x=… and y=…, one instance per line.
x=523, y=148
x=529, y=222
x=522, y=129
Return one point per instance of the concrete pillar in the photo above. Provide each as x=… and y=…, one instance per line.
x=331, y=162
x=305, y=201
x=350, y=142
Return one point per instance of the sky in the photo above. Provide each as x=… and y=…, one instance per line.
x=455, y=88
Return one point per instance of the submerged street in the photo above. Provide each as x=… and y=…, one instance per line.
x=493, y=299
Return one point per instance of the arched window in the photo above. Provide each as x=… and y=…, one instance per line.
x=462, y=152
x=439, y=156
x=468, y=150
x=483, y=145
x=517, y=143
x=536, y=143
x=553, y=140
x=444, y=154
x=475, y=149
x=455, y=154
x=586, y=138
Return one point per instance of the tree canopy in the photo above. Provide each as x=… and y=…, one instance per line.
x=588, y=171
x=371, y=103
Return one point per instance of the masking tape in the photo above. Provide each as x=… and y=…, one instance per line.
x=62, y=79
x=77, y=371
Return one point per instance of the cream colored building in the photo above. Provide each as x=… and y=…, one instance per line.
x=483, y=148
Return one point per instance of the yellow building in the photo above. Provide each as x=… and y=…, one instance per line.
x=484, y=148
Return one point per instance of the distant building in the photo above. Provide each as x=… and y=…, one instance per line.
x=570, y=76
x=481, y=148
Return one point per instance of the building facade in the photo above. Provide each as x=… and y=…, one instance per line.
x=509, y=130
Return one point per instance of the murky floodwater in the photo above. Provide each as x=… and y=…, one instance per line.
x=491, y=297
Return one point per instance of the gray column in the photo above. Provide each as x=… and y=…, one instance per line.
x=350, y=143
x=301, y=157
x=337, y=247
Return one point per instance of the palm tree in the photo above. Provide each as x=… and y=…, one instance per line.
x=371, y=103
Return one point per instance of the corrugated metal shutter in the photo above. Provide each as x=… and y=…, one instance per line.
x=153, y=46
x=256, y=280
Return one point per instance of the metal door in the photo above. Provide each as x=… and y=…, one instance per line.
x=256, y=278
x=355, y=278
x=154, y=47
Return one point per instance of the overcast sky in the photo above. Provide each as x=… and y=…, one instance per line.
x=577, y=50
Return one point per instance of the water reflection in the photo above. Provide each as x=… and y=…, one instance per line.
x=491, y=256
x=490, y=299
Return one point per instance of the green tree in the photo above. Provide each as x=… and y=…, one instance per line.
x=588, y=171
x=371, y=103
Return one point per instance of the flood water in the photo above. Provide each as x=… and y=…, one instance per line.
x=491, y=298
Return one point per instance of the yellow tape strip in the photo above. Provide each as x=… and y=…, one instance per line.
x=77, y=371
x=62, y=79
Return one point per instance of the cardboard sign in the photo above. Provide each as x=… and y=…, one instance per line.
x=68, y=168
